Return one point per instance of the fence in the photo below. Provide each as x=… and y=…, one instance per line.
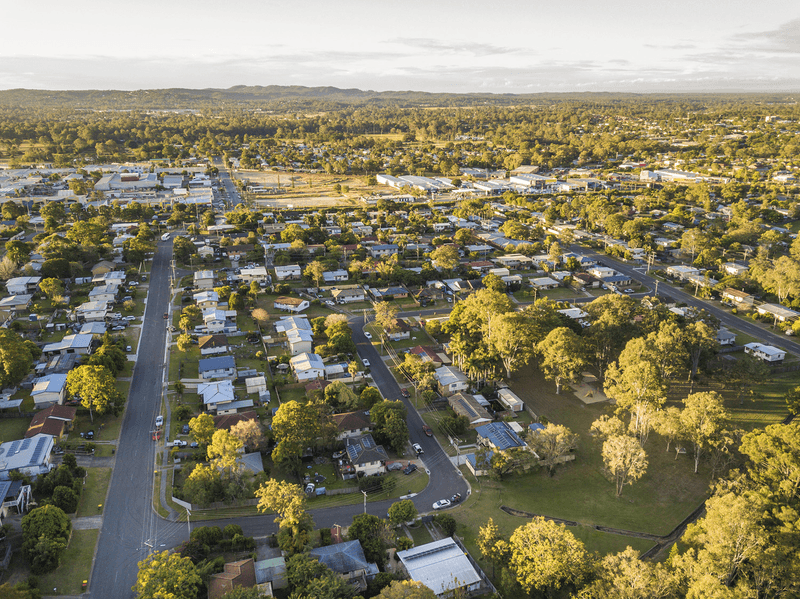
x=485, y=582
x=10, y=414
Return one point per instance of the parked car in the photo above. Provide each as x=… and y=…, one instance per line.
x=129, y=349
x=365, y=362
x=405, y=393
x=417, y=448
x=179, y=443
x=410, y=468
x=455, y=498
x=367, y=334
x=427, y=430
x=394, y=466
x=185, y=429
x=129, y=318
x=628, y=290
x=441, y=504
x=159, y=420
x=194, y=445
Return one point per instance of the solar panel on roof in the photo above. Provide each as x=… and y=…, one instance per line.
x=468, y=408
x=37, y=452
x=352, y=451
x=367, y=442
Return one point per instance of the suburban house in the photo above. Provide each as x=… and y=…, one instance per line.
x=102, y=268
x=430, y=354
x=70, y=344
x=204, y=279
x=49, y=390
x=682, y=272
x=585, y=280
x=104, y=293
x=541, y=283
x=307, y=366
x=218, y=321
x=509, y=400
x=767, y=353
x=352, y=424
x=347, y=295
x=15, y=303
x=228, y=421
x=365, y=455
x=16, y=494
x=254, y=273
x=735, y=269
x=442, y=566
x=498, y=436
x=291, y=304
x=451, y=380
x=217, y=367
x=23, y=285
x=347, y=559
x=739, y=298
x=400, y=330
x=95, y=311
x=300, y=341
x=237, y=252
x=256, y=384
x=206, y=299
x=271, y=575
x=780, y=313
x=55, y=420
x=725, y=337
x=464, y=404
x=335, y=276
x=216, y=394
x=235, y=574
x=292, y=272
x=29, y=456
x=386, y=293
x=212, y=344
x=287, y=323
x=383, y=250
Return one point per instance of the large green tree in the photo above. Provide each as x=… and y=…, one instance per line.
x=167, y=575
x=96, y=387
x=15, y=358
x=702, y=419
x=45, y=534
x=561, y=356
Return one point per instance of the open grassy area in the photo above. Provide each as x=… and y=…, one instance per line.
x=13, y=428
x=106, y=427
x=76, y=565
x=94, y=492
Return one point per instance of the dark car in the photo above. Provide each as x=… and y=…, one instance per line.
x=455, y=498
x=405, y=393
x=410, y=468
x=427, y=430
x=185, y=429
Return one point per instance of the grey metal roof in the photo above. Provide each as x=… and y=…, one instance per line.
x=440, y=566
x=343, y=558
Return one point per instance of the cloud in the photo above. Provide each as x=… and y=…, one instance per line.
x=453, y=47
x=786, y=38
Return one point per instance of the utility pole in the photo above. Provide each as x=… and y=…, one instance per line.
x=365, y=501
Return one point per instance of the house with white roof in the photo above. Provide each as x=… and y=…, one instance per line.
x=510, y=400
x=291, y=272
x=204, y=279
x=307, y=367
x=780, y=313
x=442, y=566
x=70, y=344
x=206, y=299
x=216, y=394
x=451, y=380
x=104, y=293
x=49, y=390
x=254, y=273
x=767, y=353
x=23, y=285
x=92, y=311
x=291, y=304
x=15, y=303
x=29, y=456
x=335, y=276
x=348, y=295
x=300, y=341
x=287, y=323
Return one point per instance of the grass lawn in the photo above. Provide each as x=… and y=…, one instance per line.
x=94, y=491
x=419, y=534
x=76, y=565
x=106, y=426
x=13, y=428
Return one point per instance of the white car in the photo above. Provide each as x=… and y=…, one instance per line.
x=365, y=362
x=179, y=443
x=441, y=504
x=367, y=334
x=159, y=420
x=417, y=448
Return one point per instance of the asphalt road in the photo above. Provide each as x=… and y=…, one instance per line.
x=725, y=317
x=131, y=529
x=225, y=178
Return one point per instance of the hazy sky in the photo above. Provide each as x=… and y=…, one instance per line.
x=507, y=46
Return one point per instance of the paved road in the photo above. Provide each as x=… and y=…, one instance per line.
x=225, y=178
x=725, y=317
x=130, y=526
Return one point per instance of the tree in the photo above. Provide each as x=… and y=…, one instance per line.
x=309, y=578
x=612, y=327
x=96, y=387
x=625, y=576
x=369, y=397
x=445, y=258
x=18, y=251
x=66, y=499
x=8, y=267
x=261, y=316
x=287, y=500
x=202, y=428
x=402, y=511
x=249, y=433
x=513, y=337
x=667, y=423
x=164, y=575
x=561, y=356
x=184, y=341
x=406, y=589
x=315, y=271
x=745, y=373
x=15, y=359
x=495, y=283
x=373, y=534
x=552, y=444
x=386, y=315
x=774, y=461
x=545, y=556
x=515, y=459
x=702, y=418
x=389, y=418
x=700, y=339
x=296, y=427
x=223, y=451
x=45, y=533
x=340, y=396
x=493, y=546
x=624, y=459
x=51, y=287
x=236, y=301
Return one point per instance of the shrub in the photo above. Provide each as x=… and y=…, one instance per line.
x=325, y=538
x=66, y=499
x=447, y=523
x=208, y=535
x=231, y=530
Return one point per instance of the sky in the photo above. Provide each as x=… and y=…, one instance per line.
x=512, y=46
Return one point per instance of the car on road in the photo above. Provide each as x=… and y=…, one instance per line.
x=427, y=430
x=410, y=468
x=417, y=448
x=627, y=290
x=166, y=315
x=405, y=393
x=159, y=420
x=365, y=362
x=367, y=334
x=441, y=504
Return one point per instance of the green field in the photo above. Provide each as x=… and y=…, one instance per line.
x=76, y=565
x=94, y=492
